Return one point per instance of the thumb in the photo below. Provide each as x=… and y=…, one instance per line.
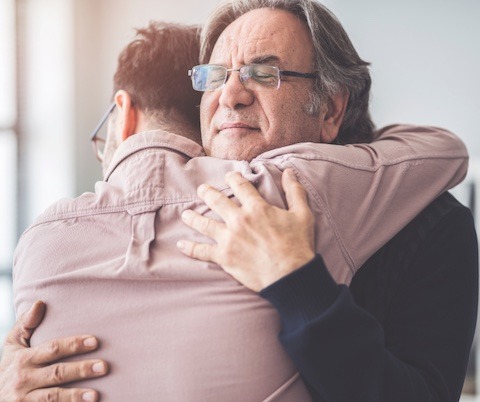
x=295, y=193
x=23, y=329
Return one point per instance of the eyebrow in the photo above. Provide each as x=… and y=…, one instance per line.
x=265, y=59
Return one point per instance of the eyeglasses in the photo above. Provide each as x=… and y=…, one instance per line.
x=99, y=139
x=210, y=77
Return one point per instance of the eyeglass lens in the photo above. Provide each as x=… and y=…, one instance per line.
x=258, y=77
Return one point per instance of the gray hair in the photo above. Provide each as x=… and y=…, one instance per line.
x=339, y=67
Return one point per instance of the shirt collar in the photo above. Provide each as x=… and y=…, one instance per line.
x=153, y=139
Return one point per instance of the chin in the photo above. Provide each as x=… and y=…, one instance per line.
x=232, y=155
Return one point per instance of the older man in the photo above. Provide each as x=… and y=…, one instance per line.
x=403, y=330
x=250, y=125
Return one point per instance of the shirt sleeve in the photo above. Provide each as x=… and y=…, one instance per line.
x=364, y=194
x=418, y=353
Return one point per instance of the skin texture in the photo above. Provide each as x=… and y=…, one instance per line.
x=238, y=123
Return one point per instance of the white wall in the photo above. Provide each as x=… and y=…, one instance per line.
x=425, y=57
x=46, y=110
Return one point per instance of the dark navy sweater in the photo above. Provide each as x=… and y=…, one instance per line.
x=403, y=329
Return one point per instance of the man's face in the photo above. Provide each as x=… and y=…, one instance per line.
x=238, y=123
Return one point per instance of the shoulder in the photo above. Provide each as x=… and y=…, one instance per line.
x=438, y=249
x=63, y=223
x=106, y=198
x=445, y=219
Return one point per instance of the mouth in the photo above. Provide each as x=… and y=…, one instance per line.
x=236, y=127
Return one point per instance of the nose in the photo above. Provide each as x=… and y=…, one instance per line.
x=234, y=95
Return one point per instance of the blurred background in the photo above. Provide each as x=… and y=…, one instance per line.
x=58, y=59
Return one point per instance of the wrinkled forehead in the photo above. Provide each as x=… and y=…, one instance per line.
x=265, y=34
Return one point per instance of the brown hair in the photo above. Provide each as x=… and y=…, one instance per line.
x=153, y=70
x=339, y=67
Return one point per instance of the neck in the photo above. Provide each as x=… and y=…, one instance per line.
x=172, y=122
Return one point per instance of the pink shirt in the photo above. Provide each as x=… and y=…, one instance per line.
x=174, y=329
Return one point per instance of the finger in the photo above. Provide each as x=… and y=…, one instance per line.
x=296, y=195
x=63, y=373
x=245, y=192
x=202, y=224
x=26, y=324
x=57, y=349
x=199, y=251
x=217, y=201
x=62, y=395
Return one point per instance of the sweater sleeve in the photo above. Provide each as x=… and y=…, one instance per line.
x=418, y=353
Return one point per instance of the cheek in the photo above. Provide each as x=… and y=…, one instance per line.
x=290, y=123
x=208, y=106
x=282, y=116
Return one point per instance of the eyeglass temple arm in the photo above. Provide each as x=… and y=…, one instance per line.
x=295, y=74
x=102, y=121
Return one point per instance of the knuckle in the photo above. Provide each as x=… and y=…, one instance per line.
x=19, y=382
x=84, y=370
x=53, y=348
x=23, y=335
x=73, y=345
x=192, y=249
x=260, y=207
x=52, y=395
x=241, y=182
x=216, y=199
x=239, y=221
x=206, y=225
x=198, y=251
x=21, y=359
x=58, y=373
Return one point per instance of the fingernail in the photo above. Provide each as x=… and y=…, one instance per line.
x=37, y=303
x=229, y=174
x=186, y=214
x=90, y=342
x=89, y=396
x=181, y=245
x=99, y=367
x=202, y=189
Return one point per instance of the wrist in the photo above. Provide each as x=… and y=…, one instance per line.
x=303, y=295
x=286, y=267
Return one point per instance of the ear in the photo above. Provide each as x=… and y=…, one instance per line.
x=333, y=118
x=127, y=114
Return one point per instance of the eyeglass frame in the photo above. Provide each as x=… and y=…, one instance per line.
x=94, y=135
x=288, y=73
